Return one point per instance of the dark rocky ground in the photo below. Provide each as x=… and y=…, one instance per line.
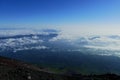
x=16, y=70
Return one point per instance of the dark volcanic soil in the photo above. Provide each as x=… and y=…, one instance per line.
x=16, y=70
x=11, y=69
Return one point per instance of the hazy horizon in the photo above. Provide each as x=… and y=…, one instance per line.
x=73, y=16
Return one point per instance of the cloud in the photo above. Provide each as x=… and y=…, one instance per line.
x=14, y=32
x=25, y=39
x=104, y=42
x=70, y=41
x=30, y=48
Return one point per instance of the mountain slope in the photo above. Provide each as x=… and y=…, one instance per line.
x=15, y=70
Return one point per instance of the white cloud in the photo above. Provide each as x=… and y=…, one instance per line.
x=104, y=42
x=73, y=36
x=30, y=48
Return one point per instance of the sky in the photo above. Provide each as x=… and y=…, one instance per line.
x=72, y=15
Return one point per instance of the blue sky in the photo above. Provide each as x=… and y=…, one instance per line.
x=52, y=13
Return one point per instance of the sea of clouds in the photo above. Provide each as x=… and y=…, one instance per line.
x=93, y=43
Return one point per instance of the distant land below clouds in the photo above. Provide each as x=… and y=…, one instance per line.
x=25, y=39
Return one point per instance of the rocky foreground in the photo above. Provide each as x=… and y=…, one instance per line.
x=11, y=69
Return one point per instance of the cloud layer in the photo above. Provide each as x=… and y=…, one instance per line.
x=54, y=40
